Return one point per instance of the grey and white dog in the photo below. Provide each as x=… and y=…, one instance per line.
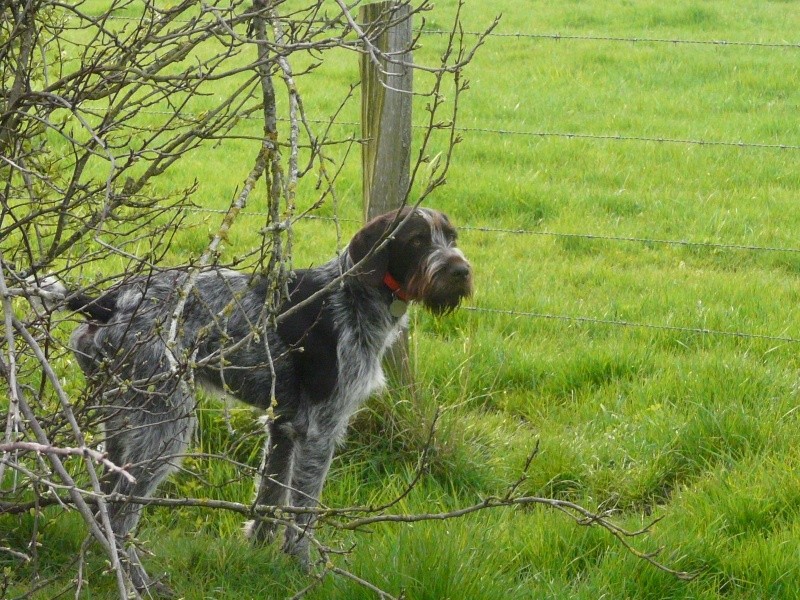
x=322, y=359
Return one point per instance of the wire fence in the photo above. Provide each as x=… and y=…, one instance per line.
x=750, y=145
x=599, y=137
x=611, y=137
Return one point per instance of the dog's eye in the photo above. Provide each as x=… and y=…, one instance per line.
x=417, y=241
x=450, y=235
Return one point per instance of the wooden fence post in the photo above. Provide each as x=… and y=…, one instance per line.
x=386, y=131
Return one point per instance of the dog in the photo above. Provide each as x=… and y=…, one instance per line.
x=310, y=366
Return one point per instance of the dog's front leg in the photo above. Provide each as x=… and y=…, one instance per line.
x=313, y=456
x=276, y=477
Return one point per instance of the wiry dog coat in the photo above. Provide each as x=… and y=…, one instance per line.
x=322, y=359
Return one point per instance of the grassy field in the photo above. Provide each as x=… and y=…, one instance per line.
x=587, y=333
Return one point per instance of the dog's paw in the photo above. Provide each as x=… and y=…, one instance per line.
x=259, y=533
x=298, y=547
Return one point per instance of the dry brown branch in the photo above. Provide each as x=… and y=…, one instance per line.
x=376, y=515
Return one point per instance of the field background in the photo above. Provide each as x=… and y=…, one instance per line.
x=636, y=314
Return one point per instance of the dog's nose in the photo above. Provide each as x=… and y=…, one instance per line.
x=460, y=270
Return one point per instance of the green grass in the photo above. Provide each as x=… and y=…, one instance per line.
x=698, y=430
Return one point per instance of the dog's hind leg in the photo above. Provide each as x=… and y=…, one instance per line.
x=147, y=433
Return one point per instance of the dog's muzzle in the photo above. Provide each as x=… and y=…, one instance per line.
x=447, y=281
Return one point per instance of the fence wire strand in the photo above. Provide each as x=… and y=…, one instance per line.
x=557, y=234
x=632, y=324
x=586, y=37
x=627, y=40
x=569, y=135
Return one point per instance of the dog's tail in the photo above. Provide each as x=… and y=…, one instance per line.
x=51, y=294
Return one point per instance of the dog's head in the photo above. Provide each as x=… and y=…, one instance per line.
x=420, y=260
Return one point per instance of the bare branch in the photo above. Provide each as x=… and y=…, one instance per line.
x=86, y=452
x=98, y=104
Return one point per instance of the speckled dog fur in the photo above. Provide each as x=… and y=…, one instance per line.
x=322, y=359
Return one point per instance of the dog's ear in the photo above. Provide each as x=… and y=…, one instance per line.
x=372, y=271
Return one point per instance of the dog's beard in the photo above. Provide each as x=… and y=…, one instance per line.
x=439, y=291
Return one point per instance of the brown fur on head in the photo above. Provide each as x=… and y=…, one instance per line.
x=420, y=254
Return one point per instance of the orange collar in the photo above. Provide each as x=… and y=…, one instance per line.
x=394, y=286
